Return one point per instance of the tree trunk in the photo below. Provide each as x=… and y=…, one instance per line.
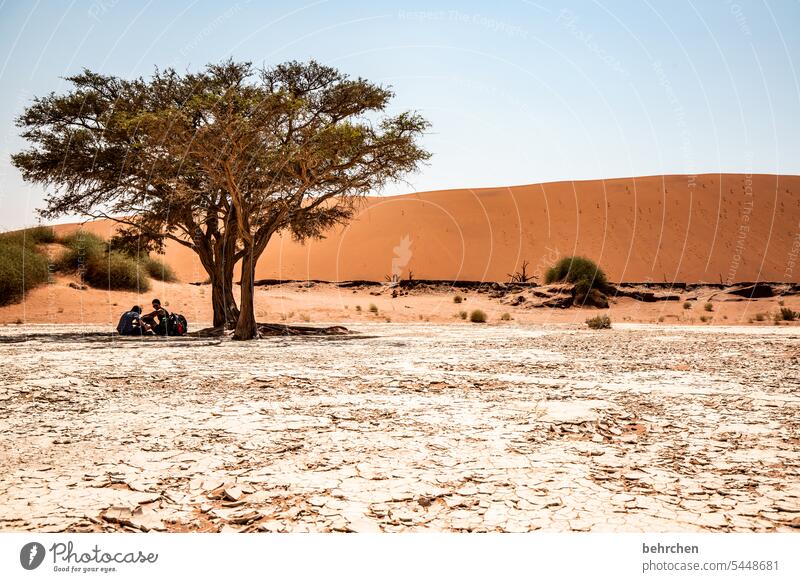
x=246, y=324
x=232, y=312
x=225, y=311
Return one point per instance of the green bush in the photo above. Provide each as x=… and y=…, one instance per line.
x=463, y=315
x=687, y=305
x=159, y=270
x=82, y=248
x=116, y=270
x=599, y=322
x=708, y=307
x=42, y=234
x=30, y=236
x=505, y=317
x=458, y=299
x=373, y=308
x=580, y=271
x=21, y=268
x=477, y=316
x=786, y=314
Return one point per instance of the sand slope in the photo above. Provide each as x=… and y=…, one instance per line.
x=712, y=227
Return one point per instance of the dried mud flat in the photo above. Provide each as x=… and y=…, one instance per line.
x=403, y=428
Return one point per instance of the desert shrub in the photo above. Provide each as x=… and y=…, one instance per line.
x=599, y=322
x=116, y=270
x=786, y=314
x=21, y=268
x=32, y=236
x=42, y=234
x=687, y=304
x=505, y=317
x=373, y=308
x=704, y=319
x=759, y=317
x=580, y=271
x=477, y=316
x=81, y=248
x=458, y=299
x=708, y=307
x=159, y=270
x=463, y=314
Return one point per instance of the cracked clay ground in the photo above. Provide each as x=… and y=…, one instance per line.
x=403, y=428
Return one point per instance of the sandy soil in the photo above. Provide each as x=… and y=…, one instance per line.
x=327, y=302
x=706, y=228
x=403, y=427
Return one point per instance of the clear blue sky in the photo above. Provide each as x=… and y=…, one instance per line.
x=518, y=92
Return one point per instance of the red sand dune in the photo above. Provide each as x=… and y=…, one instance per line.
x=707, y=228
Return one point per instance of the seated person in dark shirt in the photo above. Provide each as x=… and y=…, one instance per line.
x=157, y=319
x=131, y=323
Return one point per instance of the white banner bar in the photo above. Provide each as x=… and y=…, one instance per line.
x=406, y=557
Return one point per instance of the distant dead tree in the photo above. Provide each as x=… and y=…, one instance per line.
x=521, y=276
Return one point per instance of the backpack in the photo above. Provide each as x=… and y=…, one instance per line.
x=176, y=324
x=129, y=324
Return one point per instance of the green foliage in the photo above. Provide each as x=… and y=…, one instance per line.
x=373, y=308
x=458, y=299
x=687, y=305
x=116, y=270
x=477, y=316
x=580, y=271
x=42, y=234
x=22, y=267
x=81, y=248
x=599, y=322
x=463, y=315
x=30, y=236
x=708, y=307
x=88, y=255
x=505, y=317
x=33, y=235
x=786, y=314
x=159, y=270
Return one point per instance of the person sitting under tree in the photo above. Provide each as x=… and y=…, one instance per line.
x=131, y=322
x=157, y=319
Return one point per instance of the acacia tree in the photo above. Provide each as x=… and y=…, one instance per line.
x=92, y=147
x=295, y=147
x=229, y=154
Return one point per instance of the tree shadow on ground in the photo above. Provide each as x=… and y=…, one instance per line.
x=203, y=337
